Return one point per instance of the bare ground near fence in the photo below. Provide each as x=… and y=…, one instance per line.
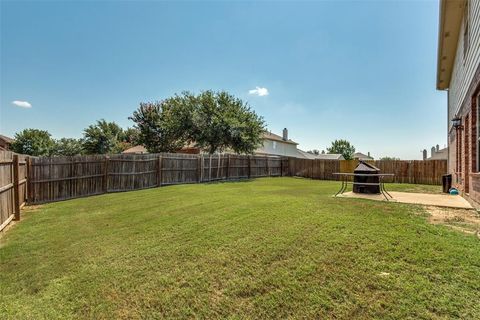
x=36, y=180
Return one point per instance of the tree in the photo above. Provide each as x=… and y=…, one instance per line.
x=103, y=137
x=131, y=136
x=314, y=151
x=164, y=126
x=222, y=121
x=214, y=121
x=342, y=147
x=67, y=147
x=33, y=142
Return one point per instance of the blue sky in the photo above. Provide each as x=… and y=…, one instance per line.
x=362, y=71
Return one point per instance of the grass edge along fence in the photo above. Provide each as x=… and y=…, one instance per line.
x=13, y=186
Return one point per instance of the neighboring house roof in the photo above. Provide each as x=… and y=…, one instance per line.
x=324, y=156
x=451, y=15
x=136, y=149
x=441, y=154
x=275, y=137
x=331, y=156
x=6, y=139
x=361, y=156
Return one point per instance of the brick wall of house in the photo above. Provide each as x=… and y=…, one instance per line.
x=474, y=175
x=463, y=145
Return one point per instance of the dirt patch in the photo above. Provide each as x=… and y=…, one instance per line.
x=25, y=210
x=463, y=220
x=31, y=207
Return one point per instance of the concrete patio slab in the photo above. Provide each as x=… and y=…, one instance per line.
x=439, y=200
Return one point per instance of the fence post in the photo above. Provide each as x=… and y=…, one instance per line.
x=105, y=175
x=28, y=185
x=210, y=168
x=414, y=169
x=228, y=167
x=266, y=163
x=281, y=166
x=16, y=187
x=249, y=167
x=159, y=171
x=218, y=166
x=199, y=168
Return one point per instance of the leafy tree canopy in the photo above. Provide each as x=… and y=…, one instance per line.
x=342, y=147
x=33, y=142
x=222, y=121
x=103, y=137
x=214, y=121
x=314, y=151
x=164, y=126
x=131, y=136
x=67, y=147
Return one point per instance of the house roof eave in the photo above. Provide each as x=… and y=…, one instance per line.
x=450, y=21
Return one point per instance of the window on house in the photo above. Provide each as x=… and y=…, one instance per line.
x=466, y=37
x=274, y=145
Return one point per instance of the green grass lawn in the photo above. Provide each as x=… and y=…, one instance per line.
x=269, y=248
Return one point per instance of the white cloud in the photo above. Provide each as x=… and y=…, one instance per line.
x=22, y=104
x=259, y=91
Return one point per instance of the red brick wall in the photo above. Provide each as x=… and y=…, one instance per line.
x=463, y=145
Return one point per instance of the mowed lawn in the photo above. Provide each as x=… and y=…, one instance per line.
x=268, y=248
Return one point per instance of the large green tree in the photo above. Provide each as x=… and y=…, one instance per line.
x=103, y=137
x=223, y=122
x=214, y=121
x=33, y=142
x=342, y=147
x=67, y=147
x=131, y=136
x=164, y=126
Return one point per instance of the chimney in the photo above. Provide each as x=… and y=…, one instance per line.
x=424, y=154
x=285, y=134
x=433, y=151
x=437, y=147
x=368, y=153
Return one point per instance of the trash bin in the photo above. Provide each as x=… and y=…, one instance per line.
x=447, y=182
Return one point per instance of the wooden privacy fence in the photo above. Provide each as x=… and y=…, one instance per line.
x=314, y=169
x=46, y=179
x=13, y=186
x=405, y=171
x=61, y=178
